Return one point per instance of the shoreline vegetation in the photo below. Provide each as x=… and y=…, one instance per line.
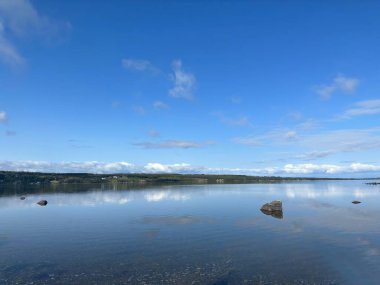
x=16, y=183
x=39, y=178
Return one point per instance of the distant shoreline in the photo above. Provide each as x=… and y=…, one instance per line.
x=35, y=178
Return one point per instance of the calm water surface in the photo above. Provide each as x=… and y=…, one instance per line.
x=202, y=234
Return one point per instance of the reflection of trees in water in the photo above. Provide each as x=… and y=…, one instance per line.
x=23, y=189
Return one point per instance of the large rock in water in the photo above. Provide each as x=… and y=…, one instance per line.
x=42, y=203
x=275, y=205
x=273, y=209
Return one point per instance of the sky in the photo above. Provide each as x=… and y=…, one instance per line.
x=284, y=88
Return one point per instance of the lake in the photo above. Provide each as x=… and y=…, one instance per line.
x=196, y=234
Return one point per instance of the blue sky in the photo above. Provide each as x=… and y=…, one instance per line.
x=246, y=87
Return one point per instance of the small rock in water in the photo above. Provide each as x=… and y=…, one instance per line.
x=42, y=203
x=22, y=198
x=356, y=202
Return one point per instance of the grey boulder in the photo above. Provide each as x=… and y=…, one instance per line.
x=42, y=203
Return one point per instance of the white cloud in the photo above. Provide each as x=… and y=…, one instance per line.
x=310, y=168
x=185, y=144
x=340, y=83
x=3, y=117
x=139, y=65
x=169, y=168
x=363, y=108
x=184, y=82
x=346, y=84
x=304, y=169
x=19, y=18
x=61, y=167
x=184, y=168
x=291, y=135
x=159, y=105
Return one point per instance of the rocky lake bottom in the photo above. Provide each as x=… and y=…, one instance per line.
x=195, y=234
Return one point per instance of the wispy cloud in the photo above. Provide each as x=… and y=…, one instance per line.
x=185, y=144
x=308, y=125
x=317, y=145
x=159, y=105
x=22, y=19
x=154, y=133
x=8, y=53
x=295, y=115
x=235, y=99
x=242, y=121
x=3, y=117
x=140, y=65
x=115, y=104
x=363, y=108
x=9, y=133
x=339, y=141
x=316, y=154
x=19, y=18
x=184, y=168
x=139, y=110
x=281, y=136
x=184, y=82
x=340, y=83
x=247, y=141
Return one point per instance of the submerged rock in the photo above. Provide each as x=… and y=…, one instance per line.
x=273, y=209
x=355, y=202
x=42, y=203
x=22, y=198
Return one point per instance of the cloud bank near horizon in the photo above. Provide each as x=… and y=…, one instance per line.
x=307, y=169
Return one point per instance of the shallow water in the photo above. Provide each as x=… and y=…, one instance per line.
x=198, y=234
